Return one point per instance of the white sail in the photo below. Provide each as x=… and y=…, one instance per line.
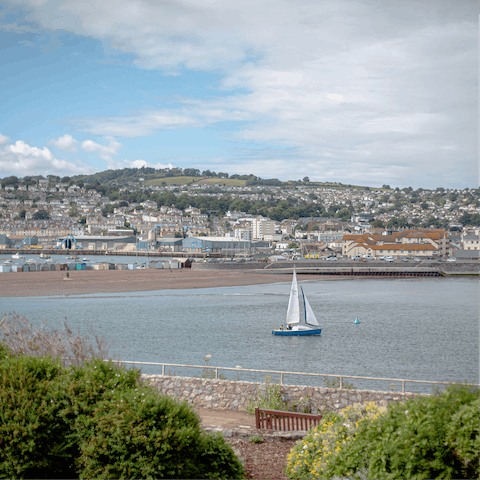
x=293, y=312
x=310, y=318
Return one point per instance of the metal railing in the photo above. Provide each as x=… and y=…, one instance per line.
x=283, y=373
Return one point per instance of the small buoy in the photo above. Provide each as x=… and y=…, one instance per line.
x=357, y=321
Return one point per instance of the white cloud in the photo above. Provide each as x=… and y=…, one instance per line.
x=142, y=163
x=344, y=82
x=103, y=151
x=66, y=143
x=3, y=139
x=19, y=158
x=335, y=96
x=140, y=123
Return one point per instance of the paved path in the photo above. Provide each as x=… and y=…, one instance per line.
x=227, y=419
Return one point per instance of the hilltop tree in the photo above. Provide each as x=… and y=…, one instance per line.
x=41, y=215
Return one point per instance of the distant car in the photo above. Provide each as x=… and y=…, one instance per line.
x=368, y=257
x=404, y=259
x=451, y=259
x=356, y=257
x=416, y=259
x=331, y=257
x=388, y=258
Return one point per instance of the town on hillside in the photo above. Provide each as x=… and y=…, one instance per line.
x=220, y=215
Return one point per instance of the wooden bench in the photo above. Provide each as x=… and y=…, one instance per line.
x=285, y=421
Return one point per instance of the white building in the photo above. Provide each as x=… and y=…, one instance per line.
x=262, y=227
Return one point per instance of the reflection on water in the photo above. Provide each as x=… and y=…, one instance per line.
x=424, y=329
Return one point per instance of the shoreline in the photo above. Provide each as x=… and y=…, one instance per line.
x=84, y=282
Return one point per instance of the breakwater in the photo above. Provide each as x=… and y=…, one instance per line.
x=236, y=395
x=348, y=268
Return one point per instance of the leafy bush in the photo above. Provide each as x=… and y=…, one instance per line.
x=335, y=383
x=464, y=437
x=4, y=351
x=272, y=398
x=32, y=433
x=256, y=439
x=311, y=457
x=217, y=459
x=141, y=434
x=425, y=437
x=98, y=420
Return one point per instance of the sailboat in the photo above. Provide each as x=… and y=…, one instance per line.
x=298, y=324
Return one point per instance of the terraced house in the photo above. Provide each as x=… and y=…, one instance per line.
x=410, y=243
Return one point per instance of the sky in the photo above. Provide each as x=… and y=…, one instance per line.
x=364, y=92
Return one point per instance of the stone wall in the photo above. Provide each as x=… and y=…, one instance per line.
x=235, y=395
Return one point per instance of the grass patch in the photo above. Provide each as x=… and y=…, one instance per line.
x=233, y=182
x=181, y=180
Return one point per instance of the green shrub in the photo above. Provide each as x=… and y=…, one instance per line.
x=271, y=399
x=141, y=434
x=312, y=456
x=463, y=437
x=98, y=420
x=217, y=459
x=32, y=434
x=256, y=439
x=414, y=439
x=4, y=351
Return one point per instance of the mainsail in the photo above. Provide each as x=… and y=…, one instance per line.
x=293, y=312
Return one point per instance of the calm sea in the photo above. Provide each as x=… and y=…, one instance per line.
x=423, y=328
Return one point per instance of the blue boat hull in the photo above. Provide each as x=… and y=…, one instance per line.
x=317, y=331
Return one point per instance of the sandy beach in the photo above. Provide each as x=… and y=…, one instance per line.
x=28, y=284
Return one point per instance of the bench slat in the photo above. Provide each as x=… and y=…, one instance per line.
x=285, y=421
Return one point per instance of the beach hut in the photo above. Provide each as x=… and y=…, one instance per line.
x=121, y=266
x=16, y=268
x=80, y=266
x=132, y=266
x=71, y=266
x=174, y=263
x=159, y=264
x=52, y=267
x=25, y=267
x=5, y=268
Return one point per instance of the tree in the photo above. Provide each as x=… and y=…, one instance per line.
x=306, y=179
x=191, y=172
x=10, y=181
x=41, y=215
x=386, y=187
x=396, y=222
x=21, y=214
x=344, y=214
x=377, y=223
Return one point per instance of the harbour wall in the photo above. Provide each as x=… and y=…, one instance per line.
x=349, y=267
x=236, y=395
